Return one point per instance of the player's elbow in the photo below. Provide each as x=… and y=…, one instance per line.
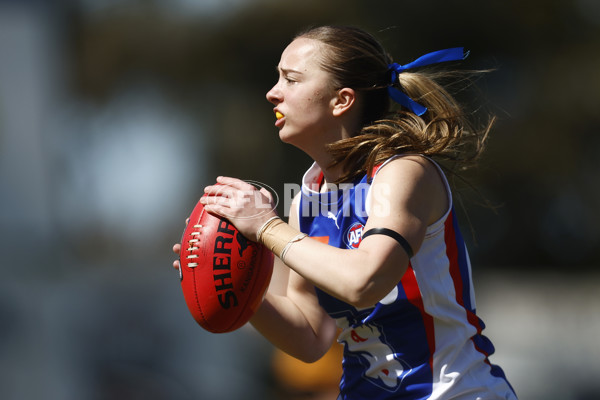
x=362, y=301
x=310, y=352
x=371, y=282
x=312, y=356
x=366, y=291
x=362, y=294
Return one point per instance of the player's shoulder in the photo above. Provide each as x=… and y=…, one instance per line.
x=417, y=183
x=410, y=166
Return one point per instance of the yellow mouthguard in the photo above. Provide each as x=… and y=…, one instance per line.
x=278, y=115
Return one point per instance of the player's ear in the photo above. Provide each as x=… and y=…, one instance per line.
x=343, y=101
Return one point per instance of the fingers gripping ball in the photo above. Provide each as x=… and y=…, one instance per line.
x=224, y=276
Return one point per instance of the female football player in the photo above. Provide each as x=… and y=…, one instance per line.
x=372, y=252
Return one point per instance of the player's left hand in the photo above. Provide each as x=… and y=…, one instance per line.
x=245, y=206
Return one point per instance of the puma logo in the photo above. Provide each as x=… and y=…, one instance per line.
x=332, y=216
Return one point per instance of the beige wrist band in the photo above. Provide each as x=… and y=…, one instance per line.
x=278, y=236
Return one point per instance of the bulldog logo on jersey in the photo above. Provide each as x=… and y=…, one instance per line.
x=380, y=367
x=353, y=235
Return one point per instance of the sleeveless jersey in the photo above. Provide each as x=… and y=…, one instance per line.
x=421, y=341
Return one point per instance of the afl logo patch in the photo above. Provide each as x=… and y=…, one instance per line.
x=353, y=235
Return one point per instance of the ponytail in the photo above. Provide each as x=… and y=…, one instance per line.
x=444, y=132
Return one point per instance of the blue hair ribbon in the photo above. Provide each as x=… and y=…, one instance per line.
x=453, y=54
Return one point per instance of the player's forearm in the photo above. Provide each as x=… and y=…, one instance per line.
x=281, y=322
x=356, y=277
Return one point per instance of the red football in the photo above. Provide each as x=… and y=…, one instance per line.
x=224, y=276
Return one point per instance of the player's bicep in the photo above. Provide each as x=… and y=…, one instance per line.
x=404, y=197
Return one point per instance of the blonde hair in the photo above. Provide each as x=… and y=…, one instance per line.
x=445, y=132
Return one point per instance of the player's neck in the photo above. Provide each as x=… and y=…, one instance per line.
x=319, y=153
x=331, y=175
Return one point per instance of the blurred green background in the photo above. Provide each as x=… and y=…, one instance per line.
x=115, y=114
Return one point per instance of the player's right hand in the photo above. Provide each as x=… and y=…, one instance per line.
x=177, y=250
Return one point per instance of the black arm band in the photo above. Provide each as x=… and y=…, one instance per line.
x=394, y=235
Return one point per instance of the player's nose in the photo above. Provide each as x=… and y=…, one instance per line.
x=274, y=95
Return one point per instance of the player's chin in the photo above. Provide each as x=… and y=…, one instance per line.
x=285, y=136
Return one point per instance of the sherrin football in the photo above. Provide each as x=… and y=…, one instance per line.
x=224, y=276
